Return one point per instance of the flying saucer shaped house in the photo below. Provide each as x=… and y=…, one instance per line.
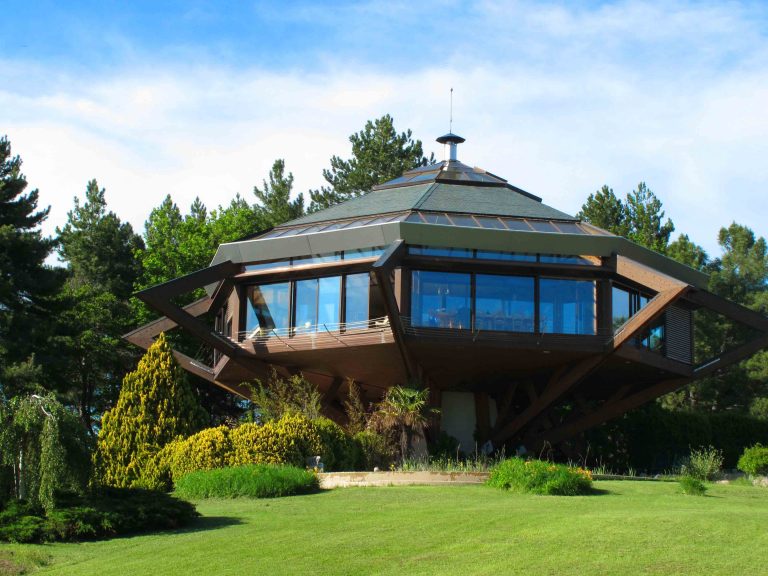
x=526, y=324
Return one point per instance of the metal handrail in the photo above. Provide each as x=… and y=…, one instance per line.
x=334, y=329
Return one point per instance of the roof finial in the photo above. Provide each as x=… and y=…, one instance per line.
x=450, y=121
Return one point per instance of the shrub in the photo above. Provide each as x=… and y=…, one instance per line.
x=155, y=406
x=102, y=514
x=539, y=477
x=375, y=450
x=703, y=463
x=339, y=451
x=253, y=481
x=692, y=486
x=754, y=461
x=290, y=440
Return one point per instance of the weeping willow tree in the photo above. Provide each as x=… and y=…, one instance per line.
x=43, y=449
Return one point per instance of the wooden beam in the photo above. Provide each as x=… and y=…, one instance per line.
x=506, y=404
x=729, y=309
x=642, y=356
x=561, y=382
x=381, y=270
x=644, y=275
x=731, y=357
x=144, y=336
x=610, y=410
x=647, y=314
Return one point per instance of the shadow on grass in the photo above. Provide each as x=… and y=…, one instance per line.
x=205, y=523
x=599, y=492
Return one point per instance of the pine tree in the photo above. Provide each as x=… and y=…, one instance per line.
x=155, y=406
x=604, y=210
x=645, y=218
x=379, y=154
x=274, y=197
x=27, y=285
x=98, y=248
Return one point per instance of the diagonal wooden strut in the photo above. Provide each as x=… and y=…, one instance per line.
x=565, y=380
x=381, y=270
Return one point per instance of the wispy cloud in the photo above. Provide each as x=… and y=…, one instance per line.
x=559, y=100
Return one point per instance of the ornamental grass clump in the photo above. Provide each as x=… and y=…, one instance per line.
x=539, y=477
x=253, y=481
x=692, y=486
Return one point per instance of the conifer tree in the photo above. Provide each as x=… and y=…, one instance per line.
x=275, y=204
x=156, y=405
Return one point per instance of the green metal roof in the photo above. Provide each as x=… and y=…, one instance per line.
x=438, y=197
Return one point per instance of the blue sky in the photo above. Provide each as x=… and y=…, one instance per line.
x=199, y=98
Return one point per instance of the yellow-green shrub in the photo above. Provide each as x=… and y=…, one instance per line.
x=289, y=440
x=339, y=451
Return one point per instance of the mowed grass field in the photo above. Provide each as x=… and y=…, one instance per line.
x=628, y=528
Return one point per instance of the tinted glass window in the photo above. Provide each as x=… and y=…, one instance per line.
x=329, y=303
x=567, y=306
x=356, y=306
x=621, y=306
x=504, y=303
x=440, y=299
x=508, y=256
x=267, y=265
x=306, y=305
x=444, y=252
x=268, y=307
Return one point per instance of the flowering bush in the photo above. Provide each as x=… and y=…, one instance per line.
x=539, y=477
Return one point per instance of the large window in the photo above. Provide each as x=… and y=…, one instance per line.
x=626, y=303
x=357, y=292
x=268, y=307
x=567, y=306
x=441, y=299
x=318, y=302
x=504, y=303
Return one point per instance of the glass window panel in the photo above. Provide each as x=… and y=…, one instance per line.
x=334, y=226
x=329, y=302
x=267, y=265
x=268, y=307
x=559, y=259
x=542, y=226
x=508, y=256
x=358, y=222
x=431, y=218
x=363, y=253
x=620, y=299
x=443, y=252
x=517, y=225
x=567, y=306
x=440, y=299
x=306, y=305
x=461, y=220
x=504, y=303
x=415, y=217
x=488, y=222
x=356, y=305
x=317, y=259
x=569, y=228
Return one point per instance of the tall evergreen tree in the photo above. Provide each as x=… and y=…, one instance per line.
x=689, y=253
x=645, y=217
x=606, y=211
x=97, y=247
x=27, y=285
x=100, y=253
x=379, y=154
x=275, y=204
x=155, y=406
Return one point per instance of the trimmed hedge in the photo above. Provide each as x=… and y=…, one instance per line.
x=253, y=481
x=103, y=514
x=653, y=439
x=539, y=477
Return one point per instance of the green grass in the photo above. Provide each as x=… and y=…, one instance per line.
x=631, y=528
x=253, y=481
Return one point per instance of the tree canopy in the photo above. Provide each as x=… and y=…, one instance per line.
x=379, y=154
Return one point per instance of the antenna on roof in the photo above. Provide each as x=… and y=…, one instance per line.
x=450, y=122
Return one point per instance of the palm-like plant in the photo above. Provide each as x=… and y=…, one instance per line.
x=404, y=410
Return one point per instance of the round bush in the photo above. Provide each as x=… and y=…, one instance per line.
x=253, y=481
x=339, y=451
x=538, y=477
x=754, y=461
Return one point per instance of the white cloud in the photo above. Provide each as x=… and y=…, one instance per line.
x=571, y=110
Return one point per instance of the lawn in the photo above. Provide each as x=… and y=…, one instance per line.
x=629, y=528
